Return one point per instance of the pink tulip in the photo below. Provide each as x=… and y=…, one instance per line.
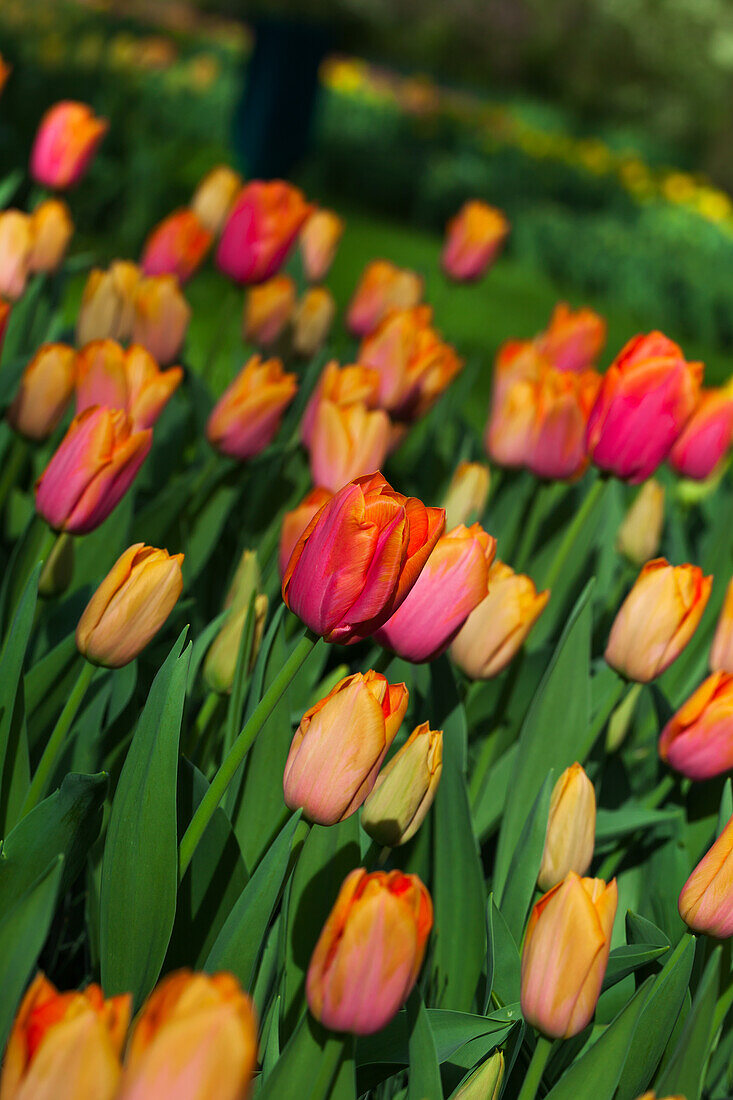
x=296, y=521
x=247, y=416
x=260, y=230
x=706, y=437
x=474, y=238
x=347, y=442
x=698, y=740
x=706, y=900
x=65, y=143
x=177, y=246
x=573, y=340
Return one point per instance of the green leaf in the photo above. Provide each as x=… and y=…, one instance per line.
x=507, y=962
x=140, y=868
x=684, y=1072
x=525, y=865
x=310, y=1064
x=625, y=960
x=424, y=1079
x=612, y=824
x=641, y=930
x=726, y=807
x=491, y=798
x=201, y=645
x=12, y=733
x=45, y=674
x=451, y=1032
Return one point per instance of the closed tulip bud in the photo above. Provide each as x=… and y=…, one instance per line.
x=698, y=740
x=706, y=901
x=260, y=230
x=640, y=533
x=247, y=416
x=16, y=251
x=91, y=470
x=657, y=619
x=296, y=521
x=571, y=828
x=65, y=1046
x=474, y=238
x=215, y=196
x=706, y=437
x=565, y=953
x=268, y=308
x=177, y=246
x=495, y=630
x=108, y=304
x=721, y=652
x=349, y=385
x=44, y=392
x=485, y=1082
x=319, y=240
x=52, y=229
x=194, y=1039
x=161, y=317
x=358, y=558
x=312, y=320
x=58, y=569
x=370, y=951
x=383, y=287
x=130, y=606
x=129, y=380
x=646, y=397
x=221, y=660
x=65, y=143
x=340, y=745
x=573, y=340
x=467, y=493
x=346, y=443
x=405, y=789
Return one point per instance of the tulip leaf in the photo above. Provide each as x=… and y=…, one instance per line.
x=201, y=645
x=525, y=865
x=424, y=1078
x=13, y=742
x=451, y=1031
x=626, y=959
x=205, y=531
x=42, y=678
x=726, y=807
x=507, y=963
x=612, y=824
x=641, y=930
x=556, y=730
x=241, y=672
x=684, y=1072
x=489, y=803
x=315, y=1065
x=140, y=865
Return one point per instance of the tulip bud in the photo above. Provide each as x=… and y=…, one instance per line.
x=706, y=900
x=161, y=317
x=16, y=251
x=319, y=240
x=370, y=951
x=657, y=619
x=698, y=740
x=221, y=660
x=247, y=416
x=565, y=953
x=312, y=320
x=474, y=238
x=573, y=340
x=108, y=304
x=58, y=569
x=358, y=558
x=496, y=629
x=91, y=470
x=65, y=143
x=177, y=246
x=347, y=442
x=348, y=386
x=260, y=230
x=383, y=287
x=721, y=652
x=52, y=229
x=65, y=1046
x=215, y=196
x=467, y=493
x=571, y=828
x=44, y=392
x=296, y=521
x=195, y=1038
x=268, y=308
x=485, y=1082
x=128, y=380
x=706, y=437
x=340, y=745
x=405, y=788
x=640, y=533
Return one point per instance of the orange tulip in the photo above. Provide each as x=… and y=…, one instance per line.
x=260, y=230
x=706, y=437
x=65, y=143
x=52, y=229
x=176, y=246
x=383, y=287
x=349, y=385
x=573, y=340
x=405, y=789
x=16, y=252
x=312, y=321
x=296, y=521
x=698, y=740
x=108, y=303
x=161, y=317
x=215, y=196
x=247, y=416
x=346, y=443
x=268, y=308
x=128, y=379
x=44, y=393
x=474, y=238
x=467, y=493
x=721, y=652
x=640, y=533
x=571, y=828
x=706, y=901
x=5, y=71
x=319, y=240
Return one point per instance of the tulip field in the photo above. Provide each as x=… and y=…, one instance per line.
x=366, y=662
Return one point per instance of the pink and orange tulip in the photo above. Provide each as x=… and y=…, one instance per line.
x=721, y=652
x=215, y=196
x=16, y=252
x=260, y=230
x=347, y=442
x=706, y=900
x=65, y=143
x=130, y=380
x=573, y=340
x=296, y=521
x=176, y=246
x=706, y=437
x=161, y=317
x=52, y=229
x=268, y=308
x=473, y=240
x=382, y=287
x=405, y=789
x=698, y=740
x=346, y=386
x=247, y=416
x=44, y=393
x=319, y=240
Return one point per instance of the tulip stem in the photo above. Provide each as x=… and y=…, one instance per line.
x=572, y=531
x=536, y=1068
x=239, y=750
x=57, y=740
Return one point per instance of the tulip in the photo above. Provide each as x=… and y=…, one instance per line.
x=65, y=143
x=177, y=246
x=721, y=652
x=485, y=1082
x=571, y=828
x=370, y=951
x=296, y=521
x=44, y=393
x=312, y=321
x=108, y=303
x=65, y=1046
x=340, y=745
x=646, y=396
x=383, y=287
x=5, y=71
x=319, y=240
x=161, y=317
x=474, y=238
x=51, y=229
x=92, y=469
x=247, y=416
x=453, y=582
x=195, y=1039
x=467, y=493
x=346, y=443
x=215, y=196
x=16, y=251
x=128, y=380
x=565, y=953
x=653, y=1096
x=573, y=340
x=698, y=740
x=405, y=788
x=358, y=558
x=268, y=308
x=415, y=365
x=221, y=661
x=260, y=230
x=640, y=533
x=495, y=631
x=706, y=437
x=706, y=901
x=4, y=318
x=130, y=606
x=657, y=619
x=350, y=385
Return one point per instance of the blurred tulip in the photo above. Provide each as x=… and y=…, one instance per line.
x=161, y=317
x=358, y=558
x=721, y=652
x=415, y=365
x=44, y=393
x=485, y=1082
x=382, y=287
x=260, y=230
x=247, y=416
x=698, y=740
x=405, y=788
x=657, y=619
x=51, y=230
x=653, y=1096
x=565, y=953
x=350, y=385
x=108, y=303
x=340, y=745
x=706, y=437
x=16, y=252
x=268, y=308
x=296, y=521
x=4, y=318
x=640, y=533
x=215, y=196
x=467, y=493
x=370, y=951
x=495, y=631
x=5, y=71
x=177, y=246
x=130, y=380
x=473, y=240
x=194, y=1039
x=220, y=665
x=571, y=828
x=65, y=1046
x=346, y=443
x=312, y=321
x=65, y=143
x=573, y=340
x=646, y=397
x=91, y=470
x=319, y=240
x=706, y=900
x=453, y=582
